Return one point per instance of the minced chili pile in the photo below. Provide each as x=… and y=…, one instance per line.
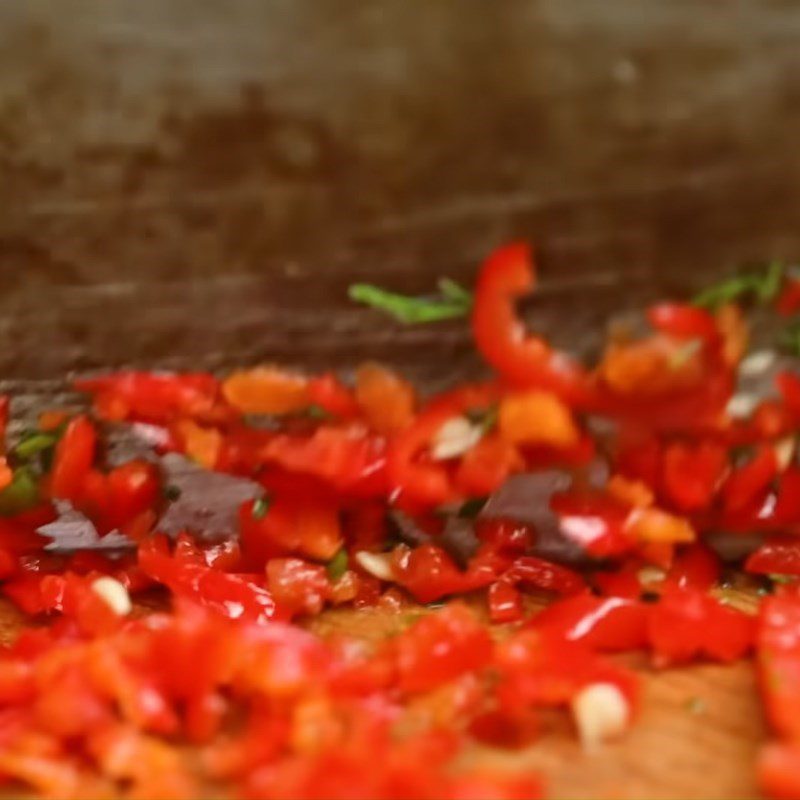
x=169, y=656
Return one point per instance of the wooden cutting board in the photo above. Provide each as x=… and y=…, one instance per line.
x=697, y=737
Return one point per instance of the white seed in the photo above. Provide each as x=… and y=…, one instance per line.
x=741, y=405
x=651, y=575
x=154, y=435
x=379, y=565
x=601, y=713
x=757, y=363
x=784, y=451
x=454, y=438
x=114, y=594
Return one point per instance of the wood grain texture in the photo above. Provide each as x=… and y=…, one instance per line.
x=155, y=152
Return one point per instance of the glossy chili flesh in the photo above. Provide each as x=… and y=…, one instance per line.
x=183, y=659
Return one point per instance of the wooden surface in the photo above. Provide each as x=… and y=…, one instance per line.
x=179, y=155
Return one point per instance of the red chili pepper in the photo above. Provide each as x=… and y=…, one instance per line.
x=18, y=535
x=746, y=485
x=539, y=668
x=290, y=525
x=786, y=512
x=695, y=567
x=9, y=565
x=778, y=661
x=365, y=525
x=5, y=405
x=154, y=397
x=346, y=458
x=641, y=460
x=686, y=624
x=505, y=536
x=486, y=466
x=113, y=500
x=25, y=592
x=505, y=603
x=684, y=321
x=133, y=488
x=622, y=582
x=415, y=481
x=73, y=596
x=770, y=420
x=235, y=596
x=386, y=401
x=608, y=624
x=778, y=770
x=430, y=574
x=73, y=459
x=789, y=386
x=689, y=399
x=536, y=573
x=297, y=586
x=523, y=360
x=328, y=393
x=788, y=301
x=692, y=474
x=440, y=648
x=777, y=556
x=593, y=520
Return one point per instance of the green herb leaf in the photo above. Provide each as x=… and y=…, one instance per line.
x=472, y=507
x=260, y=507
x=34, y=442
x=685, y=353
x=21, y=494
x=790, y=338
x=486, y=418
x=171, y=492
x=338, y=565
x=741, y=453
x=695, y=705
x=35, y=449
x=763, y=287
x=455, y=301
x=454, y=292
x=775, y=578
x=315, y=411
x=771, y=282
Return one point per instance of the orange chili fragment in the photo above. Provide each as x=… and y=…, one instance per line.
x=266, y=390
x=386, y=400
x=201, y=444
x=537, y=418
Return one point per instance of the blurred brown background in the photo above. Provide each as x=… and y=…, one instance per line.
x=196, y=181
